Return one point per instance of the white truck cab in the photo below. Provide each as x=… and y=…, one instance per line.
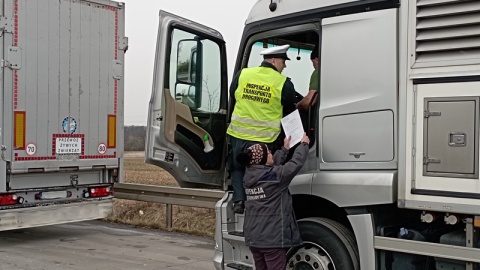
x=392, y=176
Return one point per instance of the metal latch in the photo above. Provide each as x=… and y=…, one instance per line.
x=427, y=160
x=457, y=139
x=74, y=180
x=14, y=57
x=117, y=69
x=6, y=24
x=123, y=43
x=428, y=113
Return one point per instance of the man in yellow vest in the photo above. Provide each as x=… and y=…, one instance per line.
x=259, y=96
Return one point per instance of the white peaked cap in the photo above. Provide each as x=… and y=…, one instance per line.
x=276, y=52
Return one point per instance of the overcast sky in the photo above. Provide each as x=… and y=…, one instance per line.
x=226, y=16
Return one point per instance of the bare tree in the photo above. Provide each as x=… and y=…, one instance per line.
x=213, y=95
x=134, y=138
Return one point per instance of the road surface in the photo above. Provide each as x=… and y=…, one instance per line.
x=100, y=245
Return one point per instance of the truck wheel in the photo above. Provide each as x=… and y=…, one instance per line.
x=327, y=245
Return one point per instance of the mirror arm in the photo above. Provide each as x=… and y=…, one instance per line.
x=199, y=75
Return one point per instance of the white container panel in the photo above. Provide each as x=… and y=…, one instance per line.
x=65, y=84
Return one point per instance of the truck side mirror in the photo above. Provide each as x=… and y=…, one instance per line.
x=186, y=61
x=188, y=72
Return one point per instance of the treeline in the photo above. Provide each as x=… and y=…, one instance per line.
x=135, y=138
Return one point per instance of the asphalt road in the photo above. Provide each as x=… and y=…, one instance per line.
x=100, y=245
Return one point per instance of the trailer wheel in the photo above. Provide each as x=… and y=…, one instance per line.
x=327, y=245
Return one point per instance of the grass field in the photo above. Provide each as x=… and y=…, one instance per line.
x=190, y=220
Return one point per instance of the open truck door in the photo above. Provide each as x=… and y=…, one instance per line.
x=187, y=117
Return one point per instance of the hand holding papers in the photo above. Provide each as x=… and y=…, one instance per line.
x=292, y=126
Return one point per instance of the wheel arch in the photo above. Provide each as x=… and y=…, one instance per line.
x=303, y=207
x=356, y=219
x=327, y=243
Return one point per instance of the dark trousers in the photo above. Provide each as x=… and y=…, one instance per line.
x=269, y=258
x=237, y=171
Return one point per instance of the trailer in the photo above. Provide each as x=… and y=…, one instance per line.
x=392, y=177
x=61, y=121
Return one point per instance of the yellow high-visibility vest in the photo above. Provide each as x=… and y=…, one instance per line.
x=258, y=107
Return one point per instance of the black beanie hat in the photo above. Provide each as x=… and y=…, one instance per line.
x=256, y=154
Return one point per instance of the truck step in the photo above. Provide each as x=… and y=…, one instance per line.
x=236, y=233
x=239, y=266
x=234, y=236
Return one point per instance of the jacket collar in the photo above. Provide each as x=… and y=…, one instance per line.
x=267, y=64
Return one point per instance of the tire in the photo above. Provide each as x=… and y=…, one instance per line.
x=327, y=245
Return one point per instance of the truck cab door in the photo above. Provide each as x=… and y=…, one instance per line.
x=187, y=117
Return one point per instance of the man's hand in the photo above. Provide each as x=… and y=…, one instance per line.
x=305, y=139
x=286, y=142
x=305, y=102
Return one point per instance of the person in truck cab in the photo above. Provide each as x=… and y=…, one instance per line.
x=258, y=95
x=314, y=84
x=270, y=226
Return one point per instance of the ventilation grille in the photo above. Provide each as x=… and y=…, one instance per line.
x=448, y=32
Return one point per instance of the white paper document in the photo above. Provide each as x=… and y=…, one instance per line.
x=292, y=126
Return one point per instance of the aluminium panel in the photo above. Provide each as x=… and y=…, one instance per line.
x=41, y=38
x=3, y=89
x=427, y=249
x=439, y=63
x=260, y=11
x=54, y=28
x=448, y=191
x=361, y=137
x=65, y=84
x=54, y=214
x=9, y=40
x=450, y=137
x=446, y=118
x=355, y=188
x=350, y=86
x=56, y=179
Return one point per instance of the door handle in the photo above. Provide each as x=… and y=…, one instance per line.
x=357, y=154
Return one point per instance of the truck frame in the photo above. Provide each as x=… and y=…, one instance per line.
x=392, y=176
x=61, y=123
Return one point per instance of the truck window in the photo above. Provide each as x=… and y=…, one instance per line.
x=299, y=68
x=195, y=73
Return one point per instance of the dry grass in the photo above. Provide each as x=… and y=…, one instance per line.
x=198, y=221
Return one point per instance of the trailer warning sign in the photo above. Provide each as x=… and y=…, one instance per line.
x=31, y=149
x=68, y=145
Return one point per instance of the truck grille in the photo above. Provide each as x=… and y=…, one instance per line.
x=447, y=32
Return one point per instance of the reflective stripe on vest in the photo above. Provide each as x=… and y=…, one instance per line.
x=253, y=122
x=258, y=107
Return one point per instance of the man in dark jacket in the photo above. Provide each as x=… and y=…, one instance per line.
x=270, y=227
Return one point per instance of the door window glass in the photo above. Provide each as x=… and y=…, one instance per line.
x=195, y=73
